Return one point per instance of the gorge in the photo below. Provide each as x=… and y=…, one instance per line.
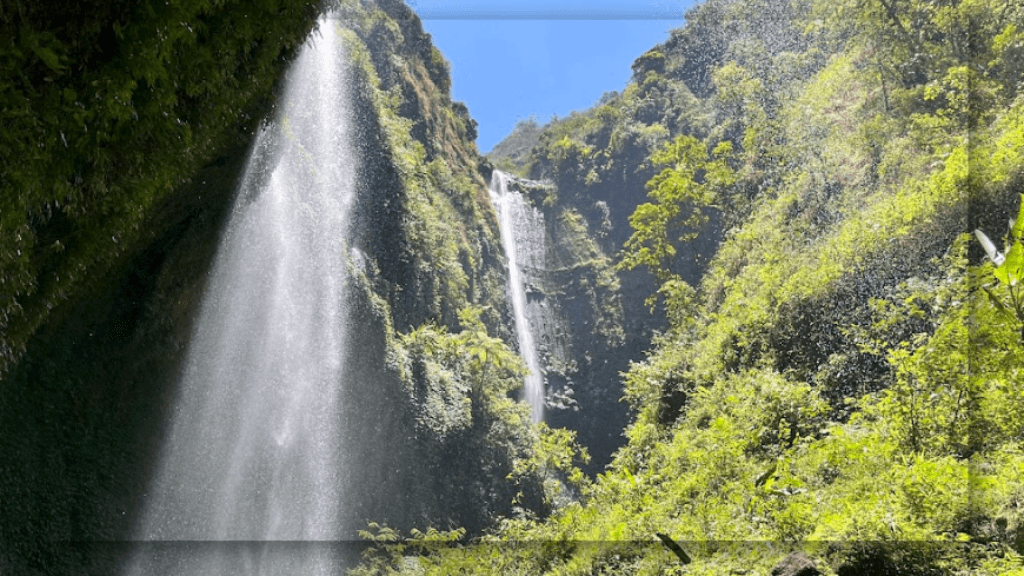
x=265, y=309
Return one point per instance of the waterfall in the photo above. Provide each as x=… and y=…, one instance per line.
x=522, y=234
x=254, y=450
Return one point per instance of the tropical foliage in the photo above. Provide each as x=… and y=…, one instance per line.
x=839, y=365
x=90, y=96
x=844, y=378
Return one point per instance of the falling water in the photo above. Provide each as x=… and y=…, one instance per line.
x=254, y=452
x=522, y=234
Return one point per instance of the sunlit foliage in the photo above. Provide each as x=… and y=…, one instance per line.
x=683, y=192
x=845, y=378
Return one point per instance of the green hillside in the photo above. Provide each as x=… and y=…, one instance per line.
x=843, y=378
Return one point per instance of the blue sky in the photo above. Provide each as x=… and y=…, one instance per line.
x=512, y=60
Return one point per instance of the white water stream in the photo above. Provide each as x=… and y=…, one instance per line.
x=522, y=234
x=255, y=451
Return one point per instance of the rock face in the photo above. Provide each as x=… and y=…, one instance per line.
x=597, y=319
x=796, y=564
x=82, y=408
x=576, y=313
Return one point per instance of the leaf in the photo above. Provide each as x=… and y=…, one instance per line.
x=629, y=475
x=1009, y=272
x=49, y=57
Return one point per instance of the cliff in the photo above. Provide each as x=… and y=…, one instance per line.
x=832, y=381
x=130, y=153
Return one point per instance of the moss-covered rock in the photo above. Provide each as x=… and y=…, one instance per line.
x=94, y=97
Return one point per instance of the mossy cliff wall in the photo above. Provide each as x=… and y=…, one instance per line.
x=427, y=249
x=107, y=244
x=125, y=127
x=587, y=325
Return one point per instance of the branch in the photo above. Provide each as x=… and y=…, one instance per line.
x=675, y=548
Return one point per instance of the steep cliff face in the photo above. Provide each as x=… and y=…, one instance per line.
x=586, y=326
x=94, y=337
x=426, y=217
x=430, y=274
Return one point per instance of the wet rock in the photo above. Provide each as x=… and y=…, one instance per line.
x=796, y=564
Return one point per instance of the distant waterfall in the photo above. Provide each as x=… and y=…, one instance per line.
x=522, y=234
x=254, y=449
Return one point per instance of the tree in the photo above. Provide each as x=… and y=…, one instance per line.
x=683, y=192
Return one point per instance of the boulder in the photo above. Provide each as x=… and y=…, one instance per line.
x=796, y=564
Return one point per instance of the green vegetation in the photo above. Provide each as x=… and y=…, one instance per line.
x=478, y=441
x=839, y=368
x=91, y=95
x=682, y=192
x=844, y=376
x=513, y=151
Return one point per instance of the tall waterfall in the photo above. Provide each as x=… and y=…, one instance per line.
x=255, y=451
x=522, y=234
